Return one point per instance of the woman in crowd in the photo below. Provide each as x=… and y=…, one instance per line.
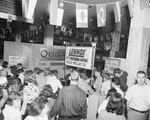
x=114, y=110
x=12, y=110
x=36, y=110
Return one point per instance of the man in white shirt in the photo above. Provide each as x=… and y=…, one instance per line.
x=138, y=99
x=54, y=82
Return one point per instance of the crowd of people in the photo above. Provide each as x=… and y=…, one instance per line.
x=38, y=94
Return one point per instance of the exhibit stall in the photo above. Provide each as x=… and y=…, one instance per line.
x=35, y=55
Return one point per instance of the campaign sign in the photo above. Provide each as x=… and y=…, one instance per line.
x=79, y=57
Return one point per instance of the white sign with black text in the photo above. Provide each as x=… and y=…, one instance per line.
x=79, y=57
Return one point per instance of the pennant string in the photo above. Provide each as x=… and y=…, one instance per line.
x=91, y=4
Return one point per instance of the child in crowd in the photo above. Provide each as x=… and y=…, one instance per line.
x=106, y=85
x=19, y=66
x=20, y=73
x=12, y=110
x=98, y=81
x=116, y=84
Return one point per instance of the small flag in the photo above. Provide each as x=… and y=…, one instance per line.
x=81, y=15
x=101, y=15
x=63, y=28
x=144, y=4
x=117, y=11
x=130, y=6
x=70, y=32
x=56, y=12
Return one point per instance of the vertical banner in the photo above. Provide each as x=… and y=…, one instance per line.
x=28, y=7
x=130, y=6
x=117, y=11
x=56, y=12
x=101, y=15
x=82, y=16
x=81, y=57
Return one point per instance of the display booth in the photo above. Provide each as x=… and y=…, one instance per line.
x=35, y=55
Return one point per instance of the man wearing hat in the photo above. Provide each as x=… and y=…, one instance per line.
x=71, y=102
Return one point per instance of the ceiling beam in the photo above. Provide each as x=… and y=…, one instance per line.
x=16, y=18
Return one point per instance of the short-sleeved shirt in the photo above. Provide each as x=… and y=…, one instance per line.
x=139, y=97
x=55, y=83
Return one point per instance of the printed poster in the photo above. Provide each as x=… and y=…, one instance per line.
x=79, y=57
x=14, y=60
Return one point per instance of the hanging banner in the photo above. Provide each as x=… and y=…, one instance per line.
x=82, y=16
x=56, y=12
x=101, y=15
x=79, y=57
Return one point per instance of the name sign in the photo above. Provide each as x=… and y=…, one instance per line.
x=52, y=54
x=79, y=57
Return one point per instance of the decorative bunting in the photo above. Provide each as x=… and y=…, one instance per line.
x=101, y=15
x=56, y=12
x=81, y=15
x=117, y=11
x=130, y=6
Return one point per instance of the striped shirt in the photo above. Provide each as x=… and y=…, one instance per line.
x=71, y=101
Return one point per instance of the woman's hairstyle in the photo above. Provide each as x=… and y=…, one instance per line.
x=40, y=71
x=5, y=64
x=55, y=72
x=117, y=70
x=107, y=76
x=115, y=104
x=30, y=76
x=20, y=70
x=13, y=96
x=116, y=80
x=111, y=92
x=98, y=70
x=36, y=107
x=13, y=70
x=47, y=91
x=36, y=69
